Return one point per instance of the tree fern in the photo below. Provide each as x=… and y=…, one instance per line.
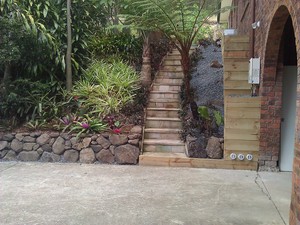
x=177, y=19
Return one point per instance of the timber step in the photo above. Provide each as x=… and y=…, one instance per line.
x=166, y=87
x=153, y=103
x=170, y=159
x=177, y=81
x=173, y=57
x=164, y=94
x=170, y=75
x=161, y=145
x=162, y=112
x=160, y=133
x=173, y=68
x=172, y=62
x=162, y=122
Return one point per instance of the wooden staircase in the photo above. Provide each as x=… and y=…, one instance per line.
x=161, y=141
x=163, y=125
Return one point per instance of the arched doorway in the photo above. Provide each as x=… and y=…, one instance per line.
x=289, y=98
x=279, y=92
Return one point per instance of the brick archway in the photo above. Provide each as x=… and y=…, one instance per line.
x=271, y=92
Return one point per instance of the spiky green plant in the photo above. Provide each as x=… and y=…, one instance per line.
x=106, y=87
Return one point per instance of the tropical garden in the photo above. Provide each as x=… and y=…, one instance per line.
x=79, y=65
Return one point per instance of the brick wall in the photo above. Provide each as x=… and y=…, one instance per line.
x=273, y=15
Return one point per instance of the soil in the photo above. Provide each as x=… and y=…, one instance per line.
x=207, y=90
x=207, y=82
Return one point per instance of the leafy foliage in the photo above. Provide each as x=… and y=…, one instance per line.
x=25, y=100
x=86, y=125
x=210, y=118
x=106, y=87
x=121, y=45
x=45, y=21
x=179, y=20
x=203, y=112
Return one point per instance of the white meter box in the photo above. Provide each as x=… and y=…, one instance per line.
x=254, y=71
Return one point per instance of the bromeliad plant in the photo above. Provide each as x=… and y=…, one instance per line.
x=87, y=125
x=113, y=123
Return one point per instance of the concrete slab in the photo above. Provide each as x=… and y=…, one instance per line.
x=34, y=193
x=279, y=187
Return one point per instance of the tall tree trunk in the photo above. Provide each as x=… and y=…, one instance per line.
x=69, y=48
x=115, y=16
x=146, y=66
x=186, y=63
x=7, y=74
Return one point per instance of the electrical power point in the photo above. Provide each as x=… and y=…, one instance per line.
x=241, y=157
x=249, y=157
x=233, y=156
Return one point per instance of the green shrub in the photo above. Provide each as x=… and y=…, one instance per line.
x=27, y=100
x=211, y=118
x=123, y=45
x=105, y=88
x=87, y=125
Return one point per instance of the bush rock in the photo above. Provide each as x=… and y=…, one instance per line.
x=103, y=142
x=43, y=139
x=71, y=156
x=87, y=155
x=127, y=154
x=3, y=145
x=213, y=148
x=136, y=130
x=59, y=146
x=117, y=140
x=10, y=156
x=28, y=156
x=49, y=157
x=28, y=146
x=16, y=145
x=196, y=147
x=29, y=139
x=105, y=156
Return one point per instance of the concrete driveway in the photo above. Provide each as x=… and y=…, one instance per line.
x=65, y=194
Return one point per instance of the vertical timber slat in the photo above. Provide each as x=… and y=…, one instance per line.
x=241, y=111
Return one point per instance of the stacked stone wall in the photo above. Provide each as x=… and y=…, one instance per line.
x=62, y=147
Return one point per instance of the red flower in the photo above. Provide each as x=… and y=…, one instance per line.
x=85, y=125
x=117, y=130
x=75, y=98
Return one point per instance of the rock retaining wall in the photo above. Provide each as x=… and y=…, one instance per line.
x=63, y=147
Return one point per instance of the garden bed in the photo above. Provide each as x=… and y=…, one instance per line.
x=203, y=124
